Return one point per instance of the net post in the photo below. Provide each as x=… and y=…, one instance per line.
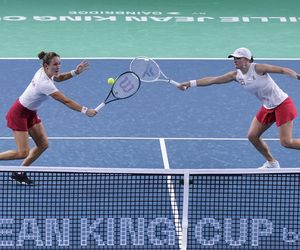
x=185, y=210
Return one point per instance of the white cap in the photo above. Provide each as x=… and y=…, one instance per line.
x=241, y=52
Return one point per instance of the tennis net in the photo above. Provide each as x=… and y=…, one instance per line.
x=91, y=208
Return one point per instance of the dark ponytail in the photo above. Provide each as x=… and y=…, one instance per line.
x=47, y=57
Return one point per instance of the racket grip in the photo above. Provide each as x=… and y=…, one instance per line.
x=100, y=106
x=173, y=82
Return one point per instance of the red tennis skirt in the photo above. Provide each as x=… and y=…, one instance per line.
x=283, y=113
x=20, y=118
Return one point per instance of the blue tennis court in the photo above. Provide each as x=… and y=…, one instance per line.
x=202, y=128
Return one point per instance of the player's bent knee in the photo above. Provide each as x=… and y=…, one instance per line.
x=22, y=154
x=252, y=137
x=44, y=146
x=287, y=143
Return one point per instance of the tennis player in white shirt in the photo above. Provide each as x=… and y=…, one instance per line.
x=277, y=106
x=22, y=117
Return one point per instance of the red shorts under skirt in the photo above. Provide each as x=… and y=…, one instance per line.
x=20, y=118
x=283, y=113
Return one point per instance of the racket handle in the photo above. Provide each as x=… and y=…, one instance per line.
x=173, y=82
x=100, y=106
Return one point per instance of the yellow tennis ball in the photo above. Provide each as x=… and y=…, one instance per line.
x=111, y=81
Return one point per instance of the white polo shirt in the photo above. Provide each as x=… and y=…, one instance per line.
x=262, y=86
x=38, y=91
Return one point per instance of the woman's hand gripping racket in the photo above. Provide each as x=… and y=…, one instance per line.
x=125, y=86
x=149, y=71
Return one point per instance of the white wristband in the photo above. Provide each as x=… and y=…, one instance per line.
x=193, y=83
x=84, y=109
x=73, y=73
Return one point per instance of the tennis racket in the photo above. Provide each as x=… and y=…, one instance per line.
x=149, y=71
x=125, y=86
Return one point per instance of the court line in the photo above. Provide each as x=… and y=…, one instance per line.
x=171, y=191
x=158, y=58
x=164, y=153
x=144, y=138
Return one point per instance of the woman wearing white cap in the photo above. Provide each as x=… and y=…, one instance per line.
x=277, y=105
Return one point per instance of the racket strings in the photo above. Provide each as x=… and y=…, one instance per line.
x=126, y=85
x=147, y=69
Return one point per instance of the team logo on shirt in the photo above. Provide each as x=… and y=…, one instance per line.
x=241, y=80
